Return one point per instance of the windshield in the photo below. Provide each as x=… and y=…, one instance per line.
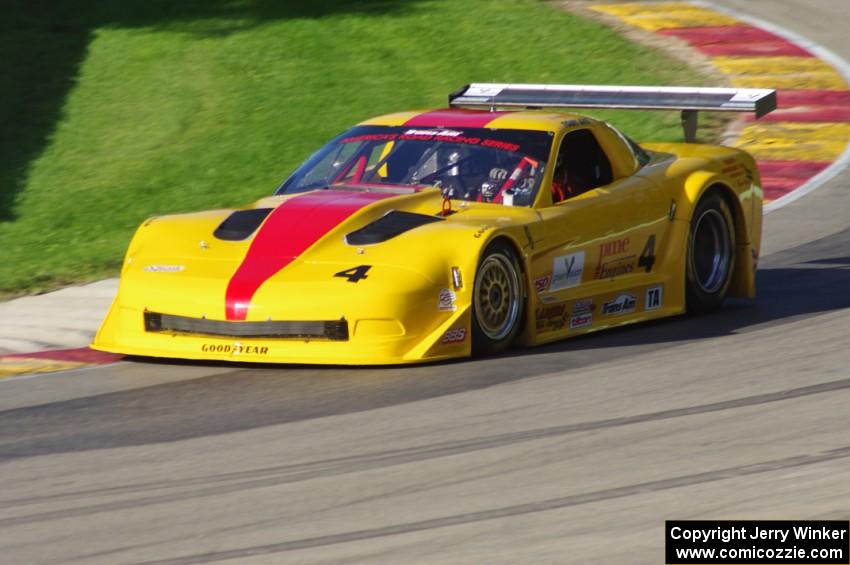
x=476, y=164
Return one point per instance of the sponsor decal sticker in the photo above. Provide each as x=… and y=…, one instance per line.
x=542, y=284
x=623, y=304
x=618, y=266
x=446, y=135
x=654, y=298
x=484, y=90
x=235, y=349
x=456, y=335
x=611, y=248
x=446, y=301
x=163, y=268
x=567, y=271
x=583, y=306
x=581, y=320
x=614, y=267
x=433, y=132
x=441, y=135
x=371, y=137
x=551, y=317
x=551, y=310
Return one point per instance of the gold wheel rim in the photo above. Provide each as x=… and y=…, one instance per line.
x=497, y=296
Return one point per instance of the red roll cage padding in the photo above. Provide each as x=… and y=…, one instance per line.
x=557, y=191
x=360, y=163
x=521, y=166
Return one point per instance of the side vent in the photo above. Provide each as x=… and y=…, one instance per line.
x=388, y=226
x=241, y=224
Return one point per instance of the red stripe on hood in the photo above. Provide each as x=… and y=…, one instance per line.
x=455, y=118
x=289, y=230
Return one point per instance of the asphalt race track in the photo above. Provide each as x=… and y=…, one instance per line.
x=573, y=453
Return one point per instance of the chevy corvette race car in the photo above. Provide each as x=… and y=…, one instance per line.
x=421, y=236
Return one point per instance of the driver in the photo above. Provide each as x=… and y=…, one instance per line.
x=451, y=162
x=466, y=170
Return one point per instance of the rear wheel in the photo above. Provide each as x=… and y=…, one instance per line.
x=711, y=254
x=498, y=300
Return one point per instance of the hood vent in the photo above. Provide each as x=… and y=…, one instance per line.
x=241, y=224
x=388, y=226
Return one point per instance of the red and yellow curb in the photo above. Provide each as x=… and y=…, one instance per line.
x=810, y=129
x=19, y=364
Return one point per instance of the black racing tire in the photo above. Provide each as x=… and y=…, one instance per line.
x=711, y=254
x=498, y=299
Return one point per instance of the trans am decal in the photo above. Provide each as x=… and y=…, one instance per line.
x=623, y=304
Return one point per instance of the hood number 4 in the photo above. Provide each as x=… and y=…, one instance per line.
x=355, y=274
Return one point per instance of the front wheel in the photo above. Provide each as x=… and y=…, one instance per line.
x=711, y=254
x=498, y=300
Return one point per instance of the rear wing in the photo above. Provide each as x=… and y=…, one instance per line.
x=688, y=100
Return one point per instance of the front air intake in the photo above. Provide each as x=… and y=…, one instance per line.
x=336, y=330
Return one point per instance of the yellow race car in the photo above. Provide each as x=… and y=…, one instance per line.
x=421, y=236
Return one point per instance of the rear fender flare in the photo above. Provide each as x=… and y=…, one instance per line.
x=699, y=183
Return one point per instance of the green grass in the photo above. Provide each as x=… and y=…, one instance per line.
x=116, y=111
